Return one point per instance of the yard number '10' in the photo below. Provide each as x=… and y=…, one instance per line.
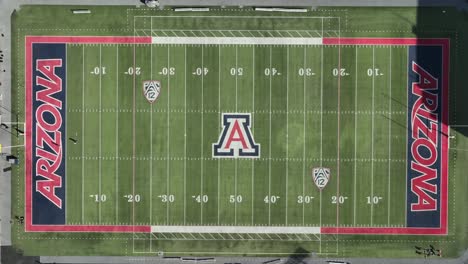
x=99, y=198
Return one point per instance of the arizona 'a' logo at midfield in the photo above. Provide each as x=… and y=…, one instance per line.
x=236, y=139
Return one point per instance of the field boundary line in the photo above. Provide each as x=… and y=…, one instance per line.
x=232, y=30
x=241, y=17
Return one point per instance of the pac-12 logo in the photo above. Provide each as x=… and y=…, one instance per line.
x=321, y=176
x=151, y=90
x=236, y=139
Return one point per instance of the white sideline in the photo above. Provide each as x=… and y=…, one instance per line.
x=236, y=229
x=237, y=40
x=275, y=9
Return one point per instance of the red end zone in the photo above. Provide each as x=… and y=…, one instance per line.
x=31, y=227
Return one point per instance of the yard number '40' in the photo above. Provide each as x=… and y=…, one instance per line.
x=271, y=199
x=200, y=198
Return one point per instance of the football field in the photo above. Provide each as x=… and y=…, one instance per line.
x=142, y=163
x=225, y=134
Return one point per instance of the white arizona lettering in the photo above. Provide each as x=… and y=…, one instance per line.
x=424, y=127
x=48, y=124
x=420, y=186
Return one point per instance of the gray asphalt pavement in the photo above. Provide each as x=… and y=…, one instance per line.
x=243, y=260
x=8, y=6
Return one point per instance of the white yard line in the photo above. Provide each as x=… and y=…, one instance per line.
x=201, y=156
x=100, y=131
x=322, y=27
x=287, y=131
x=389, y=135
x=269, y=157
x=133, y=137
x=219, y=118
x=235, y=161
x=252, y=124
x=185, y=134
x=355, y=136
x=321, y=106
x=168, y=164
x=372, y=135
x=338, y=141
x=82, y=141
x=240, y=17
x=321, y=132
x=304, y=137
x=117, y=142
x=151, y=143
